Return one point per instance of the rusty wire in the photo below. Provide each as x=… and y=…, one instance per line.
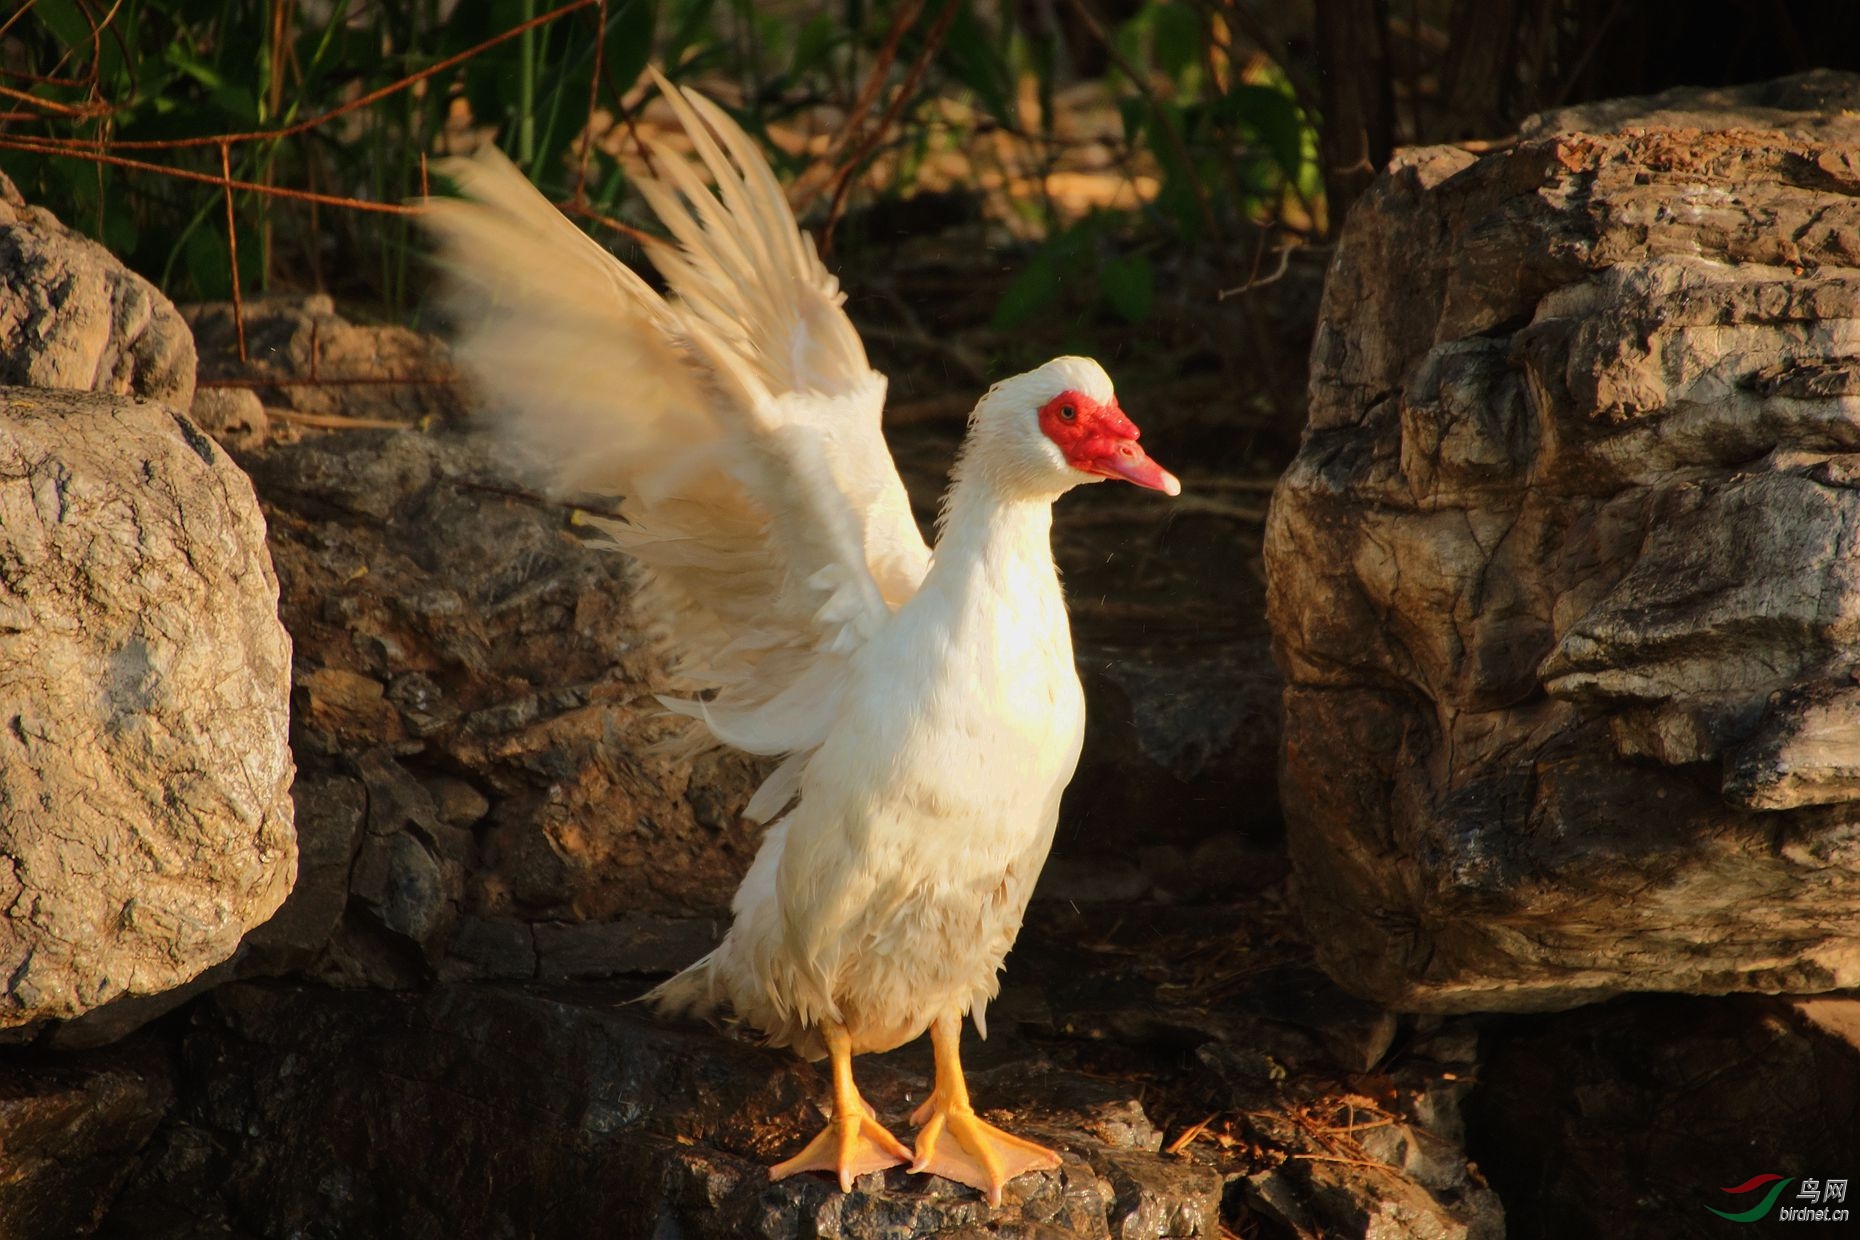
x=107, y=151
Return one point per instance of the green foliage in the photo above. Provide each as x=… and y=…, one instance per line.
x=1078, y=266
x=166, y=71
x=1229, y=149
x=981, y=62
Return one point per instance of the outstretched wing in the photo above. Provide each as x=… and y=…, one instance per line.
x=738, y=418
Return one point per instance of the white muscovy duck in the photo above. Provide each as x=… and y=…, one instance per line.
x=926, y=704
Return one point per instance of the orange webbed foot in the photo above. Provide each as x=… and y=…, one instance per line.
x=959, y=1145
x=847, y=1147
x=853, y=1142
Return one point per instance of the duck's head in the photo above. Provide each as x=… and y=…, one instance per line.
x=1059, y=425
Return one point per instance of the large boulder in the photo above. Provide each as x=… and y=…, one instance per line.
x=145, y=818
x=1563, y=579
x=72, y=316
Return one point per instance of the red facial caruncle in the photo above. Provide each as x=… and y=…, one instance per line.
x=1098, y=439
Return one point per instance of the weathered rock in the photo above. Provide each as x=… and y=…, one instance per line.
x=310, y=365
x=477, y=1110
x=1563, y=582
x=1379, y=1161
x=1352, y=1135
x=144, y=676
x=469, y=672
x=1191, y=726
x=233, y=415
x=72, y=316
x=1382, y=1159
x=1816, y=106
x=71, y=1132
x=1631, y=1119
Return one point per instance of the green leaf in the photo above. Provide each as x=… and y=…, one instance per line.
x=1176, y=36
x=205, y=256
x=66, y=22
x=685, y=33
x=629, y=41
x=119, y=226
x=493, y=78
x=236, y=104
x=812, y=45
x=1129, y=287
x=1032, y=291
x=977, y=64
x=198, y=70
x=1129, y=42
x=1134, y=110
x=1275, y=118
x=1178, y=196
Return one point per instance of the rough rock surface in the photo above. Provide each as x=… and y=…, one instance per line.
x=72, y=316
x=313, y=368
x=474, y=714
x=1631, y=1118
x=1563, y=578
x=144, y=768
x=1814, y=106
x=473, y=697
x=1351, y=1121
x=1290, y=1108
x=566, y=1114
x=72, y=1129
x=234, y=416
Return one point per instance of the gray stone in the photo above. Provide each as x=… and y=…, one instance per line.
x=1324, y=1200
x=124, y=1015
x=1563, y=578
x=496, y=950
x=636, y=943
x=233, y=415
x=312, y=368
x=479, y=669
x=485, y=1111
x=143, y=677
x=1152, y=1198
x=329, y=812
x=1822, y=106
x=73, y=317
x=72, y=1133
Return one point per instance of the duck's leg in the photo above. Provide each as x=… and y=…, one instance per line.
x=853, y=1142
x=954, y=1142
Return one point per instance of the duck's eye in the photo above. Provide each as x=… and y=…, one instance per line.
x=1067, y=413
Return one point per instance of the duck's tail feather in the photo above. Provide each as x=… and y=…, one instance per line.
x=695, y=992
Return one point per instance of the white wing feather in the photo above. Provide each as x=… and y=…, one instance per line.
x=738, y=419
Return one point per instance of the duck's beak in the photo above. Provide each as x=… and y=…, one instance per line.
x=1127, y=460
x=1131, y=463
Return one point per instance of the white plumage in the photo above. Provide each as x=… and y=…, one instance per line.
x=926, y=707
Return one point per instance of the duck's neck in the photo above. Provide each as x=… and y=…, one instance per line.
x=1003, y=531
